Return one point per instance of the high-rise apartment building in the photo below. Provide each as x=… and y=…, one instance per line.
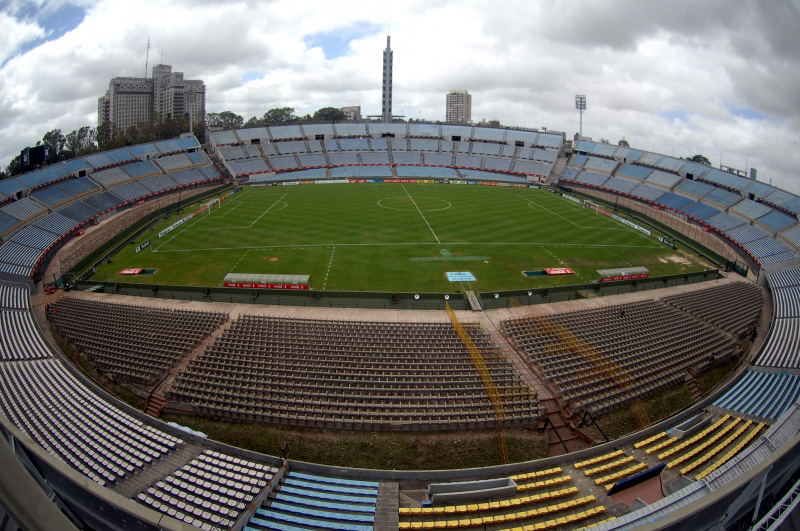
x=386, y=108
x=131, y=101
x=458, y=108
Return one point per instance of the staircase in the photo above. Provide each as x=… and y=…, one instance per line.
x=691, y=384
x=155, y=403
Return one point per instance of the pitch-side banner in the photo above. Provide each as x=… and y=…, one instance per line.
x=631, y=224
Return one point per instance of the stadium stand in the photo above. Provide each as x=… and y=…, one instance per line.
x=360, y=172
x=181, y=161
x=248, y=167
x=434, y=159
x=600, y=165
x=700, y=211
x=594, y=179
x=669, y=163
x=55, y=223
x=424, y=144
x=22, y=209
x=649, y=158
x=416, y=158
x=724, y=222
x=41, y=177
x=353, y=144
x=620, y=185
x=111, y=177
x=497, y=164
x=159, y=183
x=776, y=220
x=549, y=140
x=209, y=492
x=469, y=161
x=425, y=130
x=248, y=135
x=317, y=502
x=7, y=223
x=483, y=148
x=103, y=201
x=77, y=211
x=140, y=169
x=734, y=307
x=374, y=158
x=14, y=254
x=674, y=201
x=750, y=209
x=693, y=189
x=130, y=191
x=765, y=248
x=479, y=175
x=135, y=343
x=566, y=344
x=291, y=148
x=376, y=376
x=426, y=171
x=780, y=349
x=722, y=197
x=342, y=159
x=634, y=171
x=144, y=150
x=782, y=199
x=531, y=168
x=648, y=193
x=109, y=158
x=761, y=394
x=35, y=238
x=745, y=234
x=759, y=189
x=222, y=138
x=314, y=160
x=52, y=196
x=791, y=236
x=662, y=179
x=628, y=154
x=312, y=130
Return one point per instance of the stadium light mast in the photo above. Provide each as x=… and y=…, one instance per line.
x=580, y=104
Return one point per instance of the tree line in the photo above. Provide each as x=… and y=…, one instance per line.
x=273, y=117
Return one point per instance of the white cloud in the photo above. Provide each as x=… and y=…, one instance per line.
x=522, y=61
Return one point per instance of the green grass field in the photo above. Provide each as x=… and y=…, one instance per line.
x=395, y=237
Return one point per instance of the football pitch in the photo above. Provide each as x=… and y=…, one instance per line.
x=394, y=237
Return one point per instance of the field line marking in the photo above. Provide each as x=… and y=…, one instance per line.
x=179, y=230
x=420, y=213
x=397, y=244
x=547, y=209
x=229, y=211
x=328, y=272
x=545, y=249
x=267, y=211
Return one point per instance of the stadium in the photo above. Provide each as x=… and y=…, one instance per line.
x=493, y=349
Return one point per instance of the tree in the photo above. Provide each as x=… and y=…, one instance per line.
x=699, y=159
x=224, y=119
x=55, y=142
x=280, y=116
x=329, y=114
x=14, y=167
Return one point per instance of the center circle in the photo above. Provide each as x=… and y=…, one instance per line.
x=406, y=204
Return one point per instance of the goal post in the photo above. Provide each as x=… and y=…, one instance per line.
x=210, y=205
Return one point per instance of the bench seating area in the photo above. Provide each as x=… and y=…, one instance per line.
x=209, y=492
x=134, y=343
x=734, y=307
x=351, y=375
x=309, y=501
x=780, y=349
x=765, y=395
x=603, y=359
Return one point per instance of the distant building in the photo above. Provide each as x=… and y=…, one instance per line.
x=352, y=114
x=459, y=107
x=131, y=101
x=386, y=108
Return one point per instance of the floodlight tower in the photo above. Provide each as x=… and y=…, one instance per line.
x=580, y=104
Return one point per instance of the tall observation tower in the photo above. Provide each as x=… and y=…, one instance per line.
x=386, y=110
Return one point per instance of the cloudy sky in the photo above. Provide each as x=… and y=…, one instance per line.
x=717, y=77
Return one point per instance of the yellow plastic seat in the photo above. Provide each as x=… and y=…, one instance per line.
x=404, y=525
